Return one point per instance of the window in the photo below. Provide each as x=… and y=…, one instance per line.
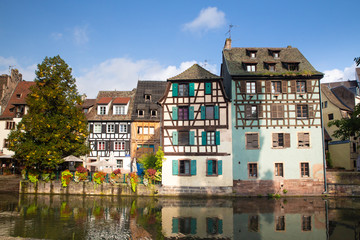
x=276, y=54
x=253, y=223
x=251, y=67
x=281, y=140
x=251, y=87
x=209, y=112
x=210, y=138
x=251, y=112
x=10, y=125
x=6, y=143
x=146, y=130
x=184, y=225
x=122, y=128
x=213, y=167
x=183, y=113
x=97, y=128
x=277, y=111
x=252, y=140
x=119, y=145
x=119, y=163
x=301, y=111
x=140, y=130
x=326, y=104
x=18, y=95
x=183, y=90
x=214, y=226
x=300, y=86
x=271, y=67
x=253, y=54
x=110, y=128
x=252, y=168
x=153, y=113
x=184, y=167
x=279, y=170
x=140, y=113
x=119, y=110
x=280, y=223
x=151, y=130
x=102, y=110
x=306, y=223
x=276, y=87
x=183, y=138
x=101, y=145
x=147, y=97
x=331, y=116
x=293, y=66
x=303, y=140
x=305, y=170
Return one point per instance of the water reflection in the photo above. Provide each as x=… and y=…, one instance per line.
x=79, y=217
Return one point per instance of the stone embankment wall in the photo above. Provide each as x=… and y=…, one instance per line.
x=343, y=183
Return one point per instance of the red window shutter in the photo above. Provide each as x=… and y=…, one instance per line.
x=284, y=86
x=280, y=111
x=268, y=86
x=311, y=110
x=258, y=87
x=293, y=86
x=260, y=111
x=243, y=86
x=308, y=86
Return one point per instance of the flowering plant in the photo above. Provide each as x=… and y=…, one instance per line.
x=81, y=174
x=33, y=177
x=134, y=179
x=66, y=177
x=99, y=177
x=115, y=177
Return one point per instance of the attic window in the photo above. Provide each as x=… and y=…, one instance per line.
x=271, y=67
x=18, y=95
x=147, y=97
x=140, y=113
x=251, y=53
x=293, y=66
x=153, y=113
x=276, y=54
x=250, y=67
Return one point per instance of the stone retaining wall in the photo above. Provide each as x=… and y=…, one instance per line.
x=343, y=183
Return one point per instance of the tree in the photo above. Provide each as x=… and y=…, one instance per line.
x=347, y=127
x=153, y=161
x=54, y=126
x=357, y=61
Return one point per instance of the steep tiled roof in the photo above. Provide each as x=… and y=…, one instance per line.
x=104, y=100
x=333, y=99
x=345, y=96
x=156, y=90
x=121, y=100
x=236, y=59
x=17, y=98
x=88, y=103
x=195, y=72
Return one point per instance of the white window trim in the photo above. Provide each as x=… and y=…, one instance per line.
x=97, y=124
x=108, y=126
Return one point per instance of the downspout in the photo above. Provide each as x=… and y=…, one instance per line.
x=323, y=139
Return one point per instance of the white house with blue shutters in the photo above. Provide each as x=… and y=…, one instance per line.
x=196, y=132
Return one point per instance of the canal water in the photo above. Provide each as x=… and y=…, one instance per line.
x=90, y=217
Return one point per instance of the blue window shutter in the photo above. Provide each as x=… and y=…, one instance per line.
x=202, y=112
x=193, y=167
x=175, y=89
x=209, y=167
x=220, y=226
x=203, y=138
x=193, y=225
x=208, y=88
x=174, y=113
x=175, y=138
x=216, y=112
x=191, y=137
x=175, y=168
x=191, y=89
x=219, y=162
x=191, y=113
x=175, y=225
x=217, y=137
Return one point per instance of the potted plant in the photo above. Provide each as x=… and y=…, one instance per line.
x=115, y=177
x=66, y=177
x=81, y=174
x=99, y=177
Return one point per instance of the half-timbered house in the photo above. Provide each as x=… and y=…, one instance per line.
x=196, y=135
x=276, y=116
x=145, y=126
x=109, y=122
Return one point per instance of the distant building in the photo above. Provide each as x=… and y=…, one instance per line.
x=7, y=87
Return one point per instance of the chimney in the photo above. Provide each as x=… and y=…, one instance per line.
x=227, y=43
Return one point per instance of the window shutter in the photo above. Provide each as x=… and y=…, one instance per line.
x=293, y=86
x=175, y=168
x=258, y=87
x=191, y=137
x=273, y=111
x=219, y=167
x=216, y=112
x=175, y=89
x=103, y=128
x=308, y=86
x=217, y=137
x=202, y=112
x=107, y=145
x=209, y=167
x=287, y=140
x=127, y=145
x=275, y=139
x=175, y=138
x=260, y=111
x=111, y=145
x=203, y=138
x=91, y=128
x=247, y=111
x=280, y=110
x=243, y=86
x=95, y=145
x=193, y=225
x=174, y=113
x=284, y=84
x=208, y=88
x=311, y=110
x=193, y=167
x=268, y=86
x=255, y=142
x=191, y=89
x=220, y=226
x=116, y=128
x=175, y=225
x=191, y=113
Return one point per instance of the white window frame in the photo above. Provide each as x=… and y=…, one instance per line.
x=101, y=143
x=152, y=130
x=122, y=128
x=119, y=145
x=102, y=110
x=119, y=165
x=119, y=109
x=97, y=127
x=251, y=87
x=110, y=128
x=251, y=68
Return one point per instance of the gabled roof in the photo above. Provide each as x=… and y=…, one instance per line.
x=236, y=59
x=121, y=100
x=88, y=103
x=195, y=72
x=104, y=100
x=333, y=99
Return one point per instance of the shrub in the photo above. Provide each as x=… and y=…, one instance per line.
x=81, y=174
x=99, y=177
x=133, y=178
x=66, y=177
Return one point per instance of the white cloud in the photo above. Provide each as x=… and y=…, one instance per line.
x=336, y=75
x=80, y=35
x=123, y=74
x=56, y=36
x=28, y=72
x=209, y=18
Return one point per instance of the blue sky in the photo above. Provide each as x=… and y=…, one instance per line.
x=111, y=44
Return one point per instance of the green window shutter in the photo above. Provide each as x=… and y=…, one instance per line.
x=209, y=167
x=191, y=113
x=174, y=113
x=203, y=138
x=208, y=88
x=193, y=225
x=191, y=137
x=175, y=89
x=175, y=225
x=193, y=167
x=217, y=137
x=220, y=226
x=219, y=167
x=210, y=225
x=216, y=112
x=191, y=89
x=175, y=168
x=175, y=138
x=202, y=112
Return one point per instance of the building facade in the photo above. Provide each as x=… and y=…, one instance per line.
x=276, y=120
x=196, y=136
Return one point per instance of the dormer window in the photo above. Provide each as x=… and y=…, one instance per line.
x=276, y=54
x=251, y=53
x=272, y=67
x=250, y=67
x=153, y=113
x=147, y=97
x=102, y=110
x=119, y=110
x=140, y=113
x=292, y=66
x=18, y=95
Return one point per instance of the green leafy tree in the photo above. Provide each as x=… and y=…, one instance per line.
x=347, y=127
x=54, y=126
x=153, y=161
